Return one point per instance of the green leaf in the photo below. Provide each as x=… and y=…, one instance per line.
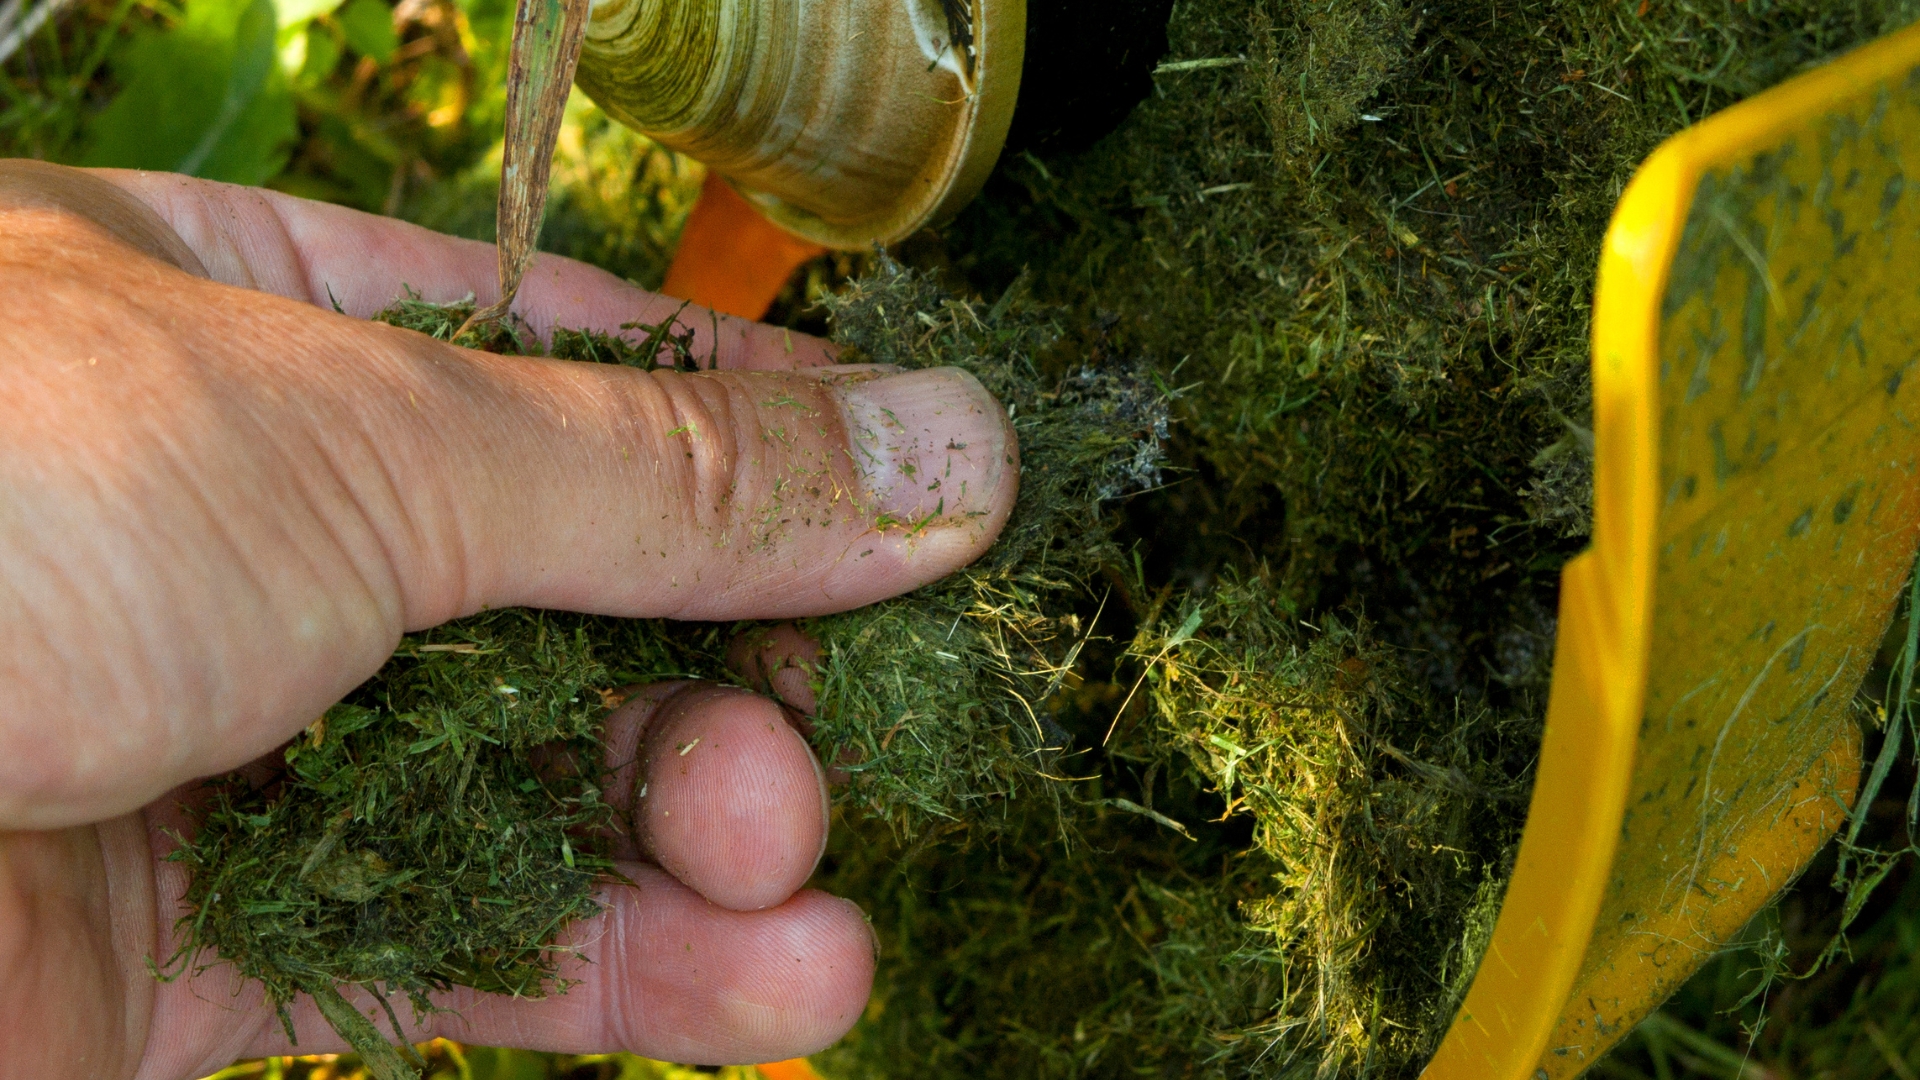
x=368, y=25
x=204, y=98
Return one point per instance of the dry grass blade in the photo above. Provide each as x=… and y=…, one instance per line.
x=546, y=49
x=379, y=1056
x=16, y=28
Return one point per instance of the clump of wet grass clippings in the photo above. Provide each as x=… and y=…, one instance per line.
x=443, y=322
x=1288, y=857
x=1384, y=816
x=1361, y=236
x=668, y=342
x=435, y=829
x=934, y=699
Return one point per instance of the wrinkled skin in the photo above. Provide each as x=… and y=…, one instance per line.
x=222, y=503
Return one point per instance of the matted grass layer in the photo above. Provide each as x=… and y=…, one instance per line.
x=1360, y=236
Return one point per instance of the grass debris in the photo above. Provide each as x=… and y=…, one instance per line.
x=435, y=829
x=1385, y=815
x=961, y=669
x=1360, y=238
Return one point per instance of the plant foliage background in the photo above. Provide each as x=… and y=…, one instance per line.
x=1357, y=236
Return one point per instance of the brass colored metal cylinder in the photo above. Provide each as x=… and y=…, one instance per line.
x=847, y=122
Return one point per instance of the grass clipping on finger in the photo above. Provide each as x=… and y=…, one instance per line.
x=444, y=825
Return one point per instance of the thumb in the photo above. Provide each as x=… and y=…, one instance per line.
x=718, y=495
x=490, y=481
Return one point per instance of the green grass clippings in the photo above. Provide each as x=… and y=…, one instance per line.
x=1386, y=816
x=1360, y=239
x=961, y=669
x=436, y=829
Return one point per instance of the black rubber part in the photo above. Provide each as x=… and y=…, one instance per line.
x=1089, y=62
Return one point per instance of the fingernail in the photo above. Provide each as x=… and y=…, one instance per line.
x=932, y=446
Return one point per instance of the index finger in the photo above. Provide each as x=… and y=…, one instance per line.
x=334, y=256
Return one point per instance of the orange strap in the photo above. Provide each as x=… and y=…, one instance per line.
x=796, y=1069
x=732, y=259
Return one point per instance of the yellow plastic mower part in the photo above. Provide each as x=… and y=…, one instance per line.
x=1757, y=425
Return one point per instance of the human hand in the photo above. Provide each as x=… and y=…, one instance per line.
x=221, y=504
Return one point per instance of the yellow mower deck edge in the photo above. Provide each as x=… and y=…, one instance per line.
x=1599, y=684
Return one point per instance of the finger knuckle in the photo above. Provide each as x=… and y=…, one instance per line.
x=701, y=449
